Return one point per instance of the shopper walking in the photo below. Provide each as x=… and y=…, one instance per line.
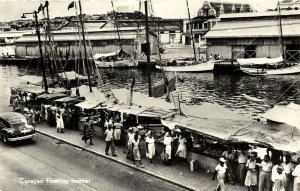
x=168, y=146
x=288, y=169
x=88, y=131
x=220, y=173
x=296, y=175
x=181, y=151
x=136, y=150
x=251, y=176
x=150, y=147
x=265, y=174
x=109, y=136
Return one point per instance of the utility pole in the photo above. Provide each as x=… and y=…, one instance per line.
x=148, y=50
x=41, y=51
x=84, y=46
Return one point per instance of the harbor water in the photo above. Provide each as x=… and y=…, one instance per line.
x=230, y=91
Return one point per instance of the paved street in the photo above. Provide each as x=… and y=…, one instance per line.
x=53, y=166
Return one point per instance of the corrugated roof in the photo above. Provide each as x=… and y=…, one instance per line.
x=73, y=37
x=259, y=14
x=256, y=28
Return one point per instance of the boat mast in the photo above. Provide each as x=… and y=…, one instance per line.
x=117, y=26
x=84, y=46
x=48, y=32
x=191, y=30
x=281, y=36
x=40, y=49
x=148, y=49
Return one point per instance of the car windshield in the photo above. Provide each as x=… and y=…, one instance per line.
x=18, y=122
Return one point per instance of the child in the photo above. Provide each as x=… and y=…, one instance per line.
x=220, y=172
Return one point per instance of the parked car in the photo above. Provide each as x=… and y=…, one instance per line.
x=14, y=127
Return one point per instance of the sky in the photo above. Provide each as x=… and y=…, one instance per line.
x=13, y=9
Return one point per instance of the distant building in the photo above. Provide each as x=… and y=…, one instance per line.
x=4, y=27
x=255, y=35
x=207, y=17
x=290, y=5
x=103, y=40
x=169, y=30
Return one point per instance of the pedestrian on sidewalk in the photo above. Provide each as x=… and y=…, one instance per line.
x=288, y=169
x=296, y=175
x=59, y=120
x=113, y=148
x=229, y=158
x=265, y=174
x=168, y=146
x=241, y=169
x=88, y=131
x=251, y=177
x=136, y=150
x=117, y=132
x=182, y=151
x=109, y=136
x=279, y=179
x=150, y=147
x=220, y=173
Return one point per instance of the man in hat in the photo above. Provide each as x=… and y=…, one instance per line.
x=279, y=179
x=220, y=172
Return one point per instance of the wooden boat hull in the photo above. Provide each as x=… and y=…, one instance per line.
x=117, y=64
x=279, y=71
x=201, y=67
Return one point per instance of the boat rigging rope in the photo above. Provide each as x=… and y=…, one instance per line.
x=298, y=77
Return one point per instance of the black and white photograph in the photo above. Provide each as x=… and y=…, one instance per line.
x=150, y=95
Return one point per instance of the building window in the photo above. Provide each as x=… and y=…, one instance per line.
x=250, y=51
x=187, y=26
x=205, y=25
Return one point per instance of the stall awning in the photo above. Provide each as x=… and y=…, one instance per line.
x=88, y=104
x=52, y=96
x=95, y=95
x=239, y=131
x=30, y=89
x=69, y=99
x=291, y=114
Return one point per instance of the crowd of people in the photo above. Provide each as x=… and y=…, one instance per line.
x=275, y=172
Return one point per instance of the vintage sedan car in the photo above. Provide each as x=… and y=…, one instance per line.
x=14, y=127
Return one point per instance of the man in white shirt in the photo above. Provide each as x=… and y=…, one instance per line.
x=265, y=174
x=109, y=136
x=288, y=169
x=296, y=175
x=241, y=170
x=220, y=172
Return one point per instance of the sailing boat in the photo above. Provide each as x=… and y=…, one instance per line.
x=189, y=66
x=117, y=59
x=269, y=66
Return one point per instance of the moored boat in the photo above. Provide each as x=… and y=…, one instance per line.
x=196, y=67
x=118, y=59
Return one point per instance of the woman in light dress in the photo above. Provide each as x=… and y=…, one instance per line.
x=59, y=120
x=136, y=150
x=150, y=146
x=251, y=176
x=168, y=146
x=181, y=151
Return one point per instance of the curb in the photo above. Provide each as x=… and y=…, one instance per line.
x=120, y=162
